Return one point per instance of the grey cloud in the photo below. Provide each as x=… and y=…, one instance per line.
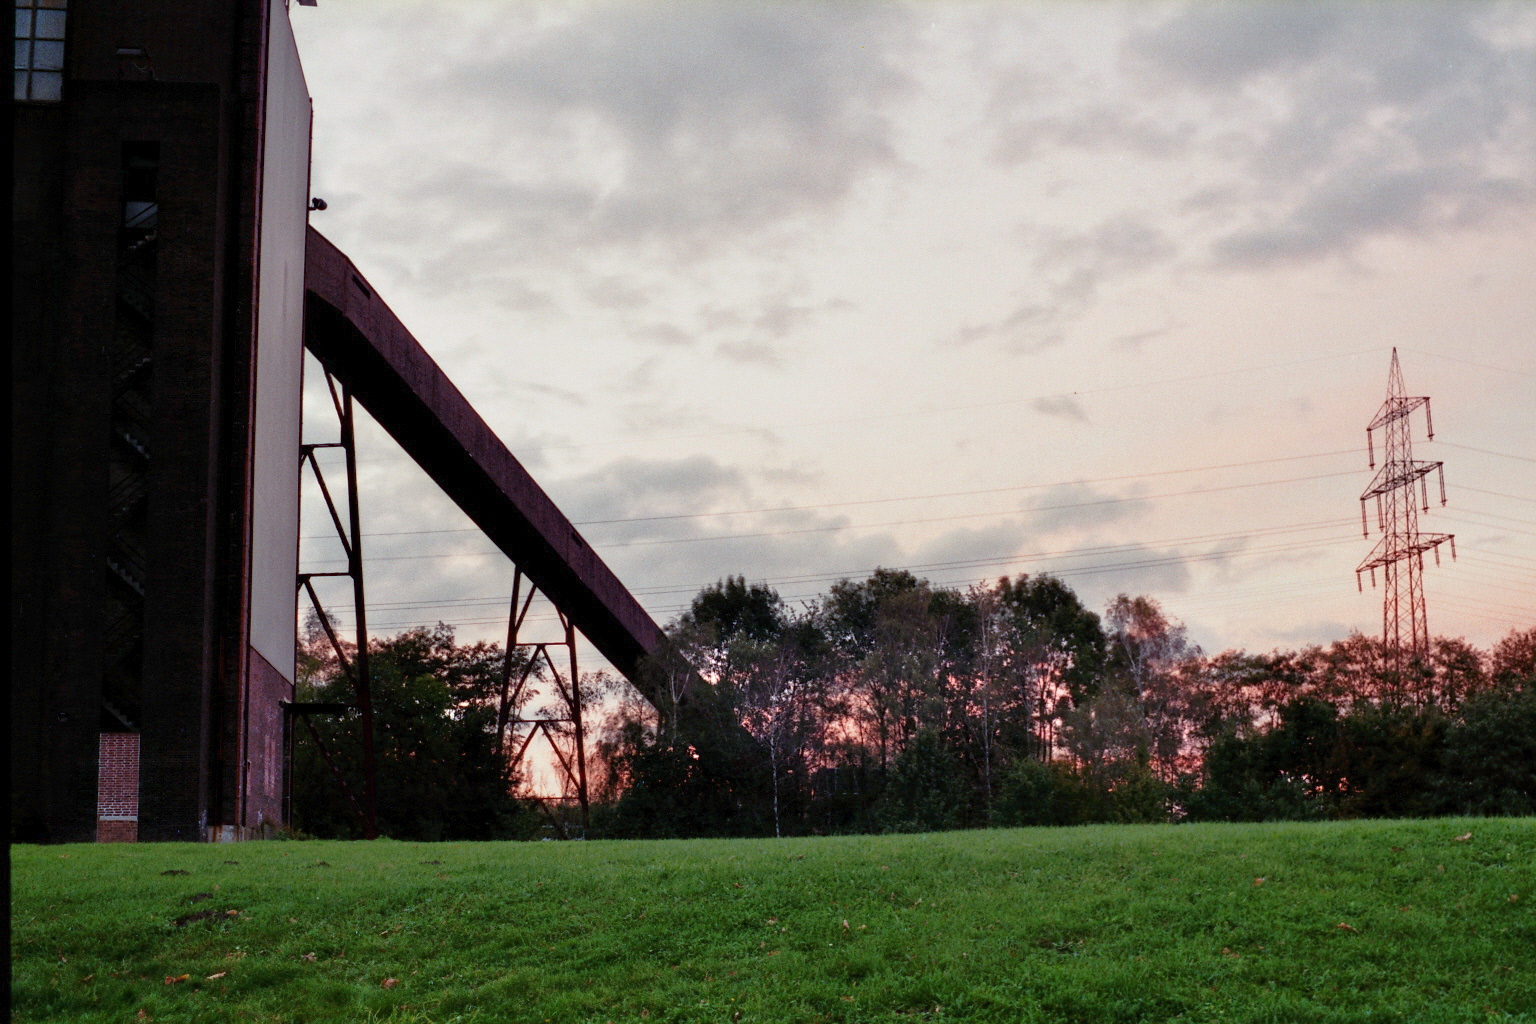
x=514, y=294
x=1022, y=137
x=1123, y=242
x=687, y=555
x=790, y=476
x=1213, y=198
x=1031, y=327
x=781, y=316
x=1308, y=634
x=727, y=115
x=644, y=410
x=767, y=546
x=475, y=189
x=1120, y=245
x=718, y=317
x=1218, y=45
x=981, y=553
x=1379, y=118
x=659, y=76
x=568, y=397
x=1137, y=340
x=459, y=198
x=1075, y=507
x=777, y=558
x=1134, y=569
x=634, y=487
x=1064, y=406
x=435, y=228
x=985, y=544
x=1074, y=266
x=755, y=332
x=666, y=334
x=642, y=378
x=431, y=571
x=1336, y=216
x=460, y=270
x=750, y=352
x=1094, y=575
x=555, y=137
x=777, y=318
x=614, y=293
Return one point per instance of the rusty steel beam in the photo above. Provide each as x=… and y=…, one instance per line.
x=359, y=340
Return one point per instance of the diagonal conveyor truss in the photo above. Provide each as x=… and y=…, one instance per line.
x=366, y=347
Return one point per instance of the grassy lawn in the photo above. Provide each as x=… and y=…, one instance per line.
x=1360, y=921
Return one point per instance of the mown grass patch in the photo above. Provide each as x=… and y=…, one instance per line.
x=1341, y=922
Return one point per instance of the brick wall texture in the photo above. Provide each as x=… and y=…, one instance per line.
x=117, y=788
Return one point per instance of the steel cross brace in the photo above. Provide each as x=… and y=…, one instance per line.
x=350, y=536
x=569, y=692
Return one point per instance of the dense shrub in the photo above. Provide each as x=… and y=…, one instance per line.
x=1056, y=793
x=925, y=791
x=1243, y=783
x=439, y=774
x=1039, y=793
x=1490, y=755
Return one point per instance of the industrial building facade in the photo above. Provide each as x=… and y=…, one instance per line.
x=167, y=285
x=159, y=213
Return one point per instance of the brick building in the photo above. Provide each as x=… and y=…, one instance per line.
x=165, y=287
x=161, y=176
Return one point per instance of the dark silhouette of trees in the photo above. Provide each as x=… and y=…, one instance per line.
x=440, y=775
x=893, y=704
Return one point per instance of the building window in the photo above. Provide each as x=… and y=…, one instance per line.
x=40, y=50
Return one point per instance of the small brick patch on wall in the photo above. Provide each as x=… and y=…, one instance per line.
x=117, y=788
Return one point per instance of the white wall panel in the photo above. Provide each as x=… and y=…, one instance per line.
x=279, y=349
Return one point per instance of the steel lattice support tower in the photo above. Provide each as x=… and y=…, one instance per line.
x=1400, y=552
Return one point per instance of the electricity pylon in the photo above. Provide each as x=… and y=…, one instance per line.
x=1400, y=552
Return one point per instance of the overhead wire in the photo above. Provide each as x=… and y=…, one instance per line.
x=1486, y=451
x=1082, y=552
x=842, y=527
x=912, y=497
x=910, y=412
x=1062, y=570
x=1502, y=612
x=1496, y=494
x=961, y=566
x=1469, y=362
x=1459, y=510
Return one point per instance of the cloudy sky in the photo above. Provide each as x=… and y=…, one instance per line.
x=798, y=290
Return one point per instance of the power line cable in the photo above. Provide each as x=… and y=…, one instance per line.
x=1469, y=362
x=1495, y=494
x=1456, y=518
x=915, y=412
x=877, y=501
x=1079, y=553
x=838, y=528
x=1484, y=451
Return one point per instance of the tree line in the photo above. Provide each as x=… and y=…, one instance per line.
x=891, y=704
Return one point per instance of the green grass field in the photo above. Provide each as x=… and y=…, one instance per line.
x=1359, y=921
